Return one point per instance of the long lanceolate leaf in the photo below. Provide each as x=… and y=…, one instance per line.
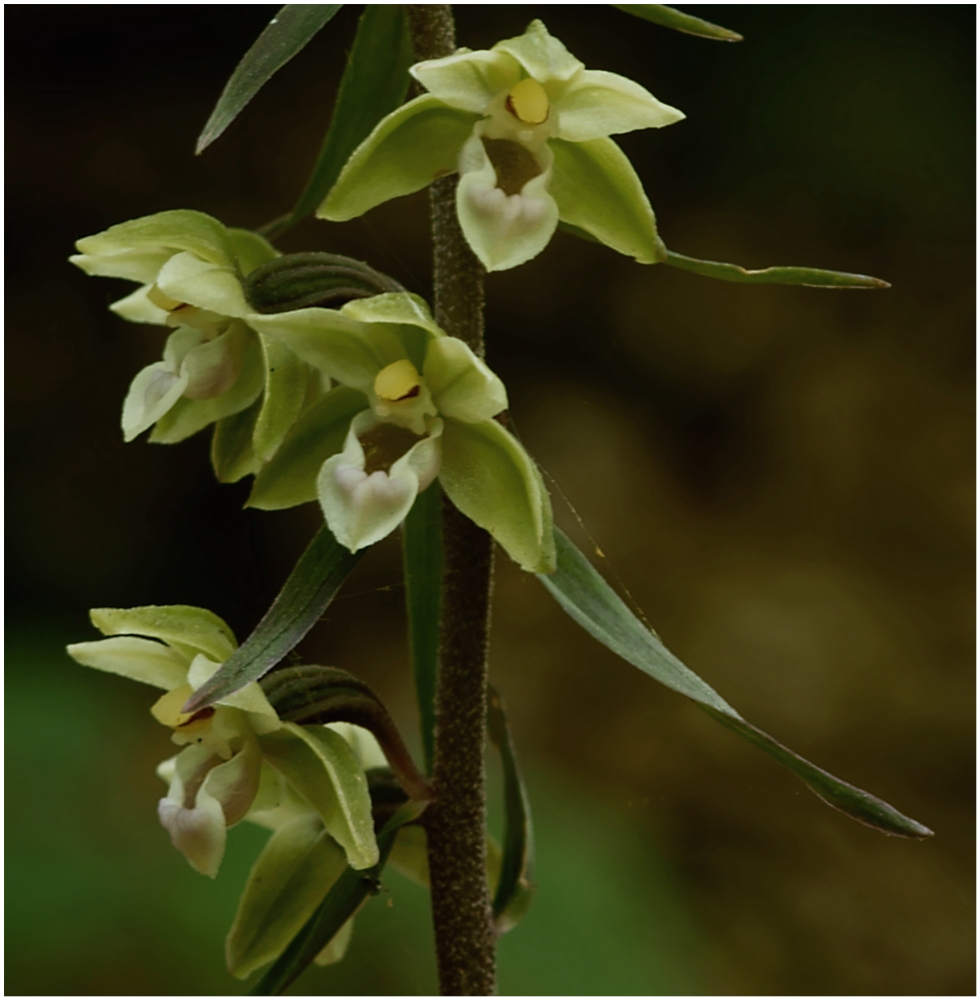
x=582, y=592
x=287, y=33
x=812, y=276
x=670, y=17
x=374, y=83
x=340, y=904
x=311, y=586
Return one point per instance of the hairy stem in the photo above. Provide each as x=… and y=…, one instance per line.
x=456, y=822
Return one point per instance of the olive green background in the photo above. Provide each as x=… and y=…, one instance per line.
x=781, y=478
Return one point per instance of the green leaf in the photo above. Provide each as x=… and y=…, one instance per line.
x=290, y=477
x=290, y=878
x=670, y=17
x=812, y=276
x=287, y=33
x=341, y=903
x=311, y=586
x=514, y=886
x=422, y=557
x=587, y=598
x=374, y=84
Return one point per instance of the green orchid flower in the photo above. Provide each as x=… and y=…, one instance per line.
x=527, y=127
x=412, y=404
x=190, y=268
x=238, y=758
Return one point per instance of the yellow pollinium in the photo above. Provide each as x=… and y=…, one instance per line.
x=162, y=301
x=166, y=709
x=528, y=101
x=397, y=381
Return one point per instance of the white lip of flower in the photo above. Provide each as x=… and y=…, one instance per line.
x=527, y=127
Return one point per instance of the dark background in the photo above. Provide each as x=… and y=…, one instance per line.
x=781, y=478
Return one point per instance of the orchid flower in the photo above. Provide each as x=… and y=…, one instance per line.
x=527, y=127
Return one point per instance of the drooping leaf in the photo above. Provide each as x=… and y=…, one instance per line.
x=422, y=556
x=286, y=34
x=670, y=17
x=374, y=83
x=304, y=597
x=515, y=889
x=343, y=900
x=811, y=276
x=587, y=598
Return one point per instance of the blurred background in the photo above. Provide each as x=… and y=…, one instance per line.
x=781, y=478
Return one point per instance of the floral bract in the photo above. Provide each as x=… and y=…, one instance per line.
x=412, y=404
x=527, y=127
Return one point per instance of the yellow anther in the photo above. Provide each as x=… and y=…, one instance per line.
x=167, y=708
x=399, y=380
x=161, y=300
x=528, y=102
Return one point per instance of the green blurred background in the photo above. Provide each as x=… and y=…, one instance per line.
x=782, y=478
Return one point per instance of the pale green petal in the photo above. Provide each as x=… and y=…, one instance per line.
x=165, y=233
x=323, y=769
x=232, y=457
x=490, y=477
x=361, y=508
x=234, y=784
x=290, y=477
x=286, y=379
x=503, y=230
x=541, y=55
x=187, y=627
x=394, y=307
x=200, y=283
x=138, y=659
x=597, y=189
x=136, y=265
x=250, y=249
x=250, y=698
x=288, y=881
x=468, y=80
x=197, y=830
x=137, y=308
x=349, y=351
x=213, y=366
x=188, y=416
x=596, y=104
x=152, y=394
x=406, y=152
x=337, y=947
x=462, y=385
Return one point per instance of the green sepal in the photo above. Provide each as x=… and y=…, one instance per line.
x=186, y=628
x=588, y=599
x=141, y=660
x=286, y=34
x=811, y=276
x=286, y=381
x=322, y=767
x=290, y=476
x=232, y=455
x=597, y=190
x=290, y=878
x=490, y=477
x=669, y=17
x=251, y=250
x=406, y=152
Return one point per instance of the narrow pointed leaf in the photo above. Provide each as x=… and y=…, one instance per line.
x=311, y=586
x=812, y=276
x=587, y=598
x=422, y=555
x=514, y=886
x=374, y=83
x=286, y=34
x=340, y=904
x=670, y=17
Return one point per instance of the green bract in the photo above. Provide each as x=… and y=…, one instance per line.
x=412, y=404
x=527, y=127
x=190, y=268
x=238, y=759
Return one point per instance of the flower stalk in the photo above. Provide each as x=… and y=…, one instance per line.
x=456, y=822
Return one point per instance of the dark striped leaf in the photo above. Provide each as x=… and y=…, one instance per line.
x=670, y=17
x=583, y=593
x=812, y=276
x=311, y=586
x=287, y=33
